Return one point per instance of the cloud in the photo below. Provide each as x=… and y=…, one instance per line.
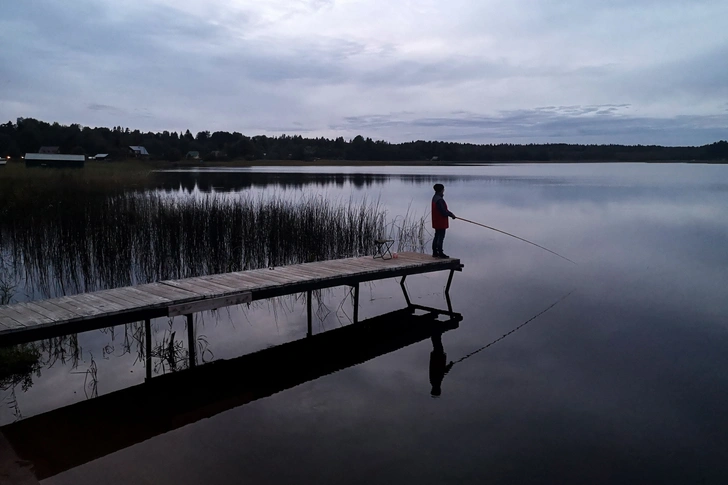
x=338, y=67
x=103, y=107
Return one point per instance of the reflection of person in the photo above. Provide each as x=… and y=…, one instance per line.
x=438, y=369
x=439, y=220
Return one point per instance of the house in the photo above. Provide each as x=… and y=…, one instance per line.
x=138, y=151
x=53, y=150
x=218, y=154
x=194, y=155
x=101, y=156
x=54, y=160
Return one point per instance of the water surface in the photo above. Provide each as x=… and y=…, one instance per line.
x=621, y=382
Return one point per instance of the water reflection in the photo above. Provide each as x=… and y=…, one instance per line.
x=438, y=366
x=118, y=420
x=205, y=181
x=243, y=179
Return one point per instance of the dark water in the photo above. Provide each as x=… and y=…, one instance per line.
x=623, y=381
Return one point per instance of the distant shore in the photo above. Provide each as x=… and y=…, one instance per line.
x=137, y=164
x=403, y=163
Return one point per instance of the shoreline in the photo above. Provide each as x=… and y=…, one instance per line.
x=145, y=165
x=404, y=163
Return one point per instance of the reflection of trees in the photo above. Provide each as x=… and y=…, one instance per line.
x=204, y=181
x=228, y=181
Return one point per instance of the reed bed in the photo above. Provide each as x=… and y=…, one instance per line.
x=66, y=244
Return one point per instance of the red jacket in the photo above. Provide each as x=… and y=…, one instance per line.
x=439, y=214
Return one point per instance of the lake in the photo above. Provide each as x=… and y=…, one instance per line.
x=620, y=378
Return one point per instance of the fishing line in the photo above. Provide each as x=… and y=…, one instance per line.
x=519, y=238
x=512, y=331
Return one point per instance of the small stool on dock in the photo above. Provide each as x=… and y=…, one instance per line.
x=382, y=248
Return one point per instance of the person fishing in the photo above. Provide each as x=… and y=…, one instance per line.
x=440, y=213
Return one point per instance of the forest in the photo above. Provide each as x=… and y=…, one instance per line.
x=27, y=135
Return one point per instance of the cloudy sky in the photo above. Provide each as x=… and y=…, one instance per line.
x=484, y=71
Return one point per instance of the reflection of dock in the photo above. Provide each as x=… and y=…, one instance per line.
x=24, y=322
x=121, y=419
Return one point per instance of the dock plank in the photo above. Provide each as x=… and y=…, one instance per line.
x=322, y=270
x=259, y=281
x=24, y=316
x=167, y=291
x=352, y=267
x=243, y=283
x=40, y=310
x=195, y=286
x=83, y=309
x=229, y=285
x=101, y=303
x=272, y=275
x=355, y=263
x=144, y=298
x=119, y=295
x=7, y=319
x=218, y=283
x=296, y=275
x=57, y=312
x=238, y=282
x=118, y=298
x=307, y=275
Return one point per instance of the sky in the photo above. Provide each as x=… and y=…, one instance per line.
x=487, y=71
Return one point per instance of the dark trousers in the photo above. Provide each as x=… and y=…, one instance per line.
x=438, y=240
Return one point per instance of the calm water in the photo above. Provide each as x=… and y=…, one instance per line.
x=623, y=381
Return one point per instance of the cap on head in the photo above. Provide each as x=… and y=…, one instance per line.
x=438, y=187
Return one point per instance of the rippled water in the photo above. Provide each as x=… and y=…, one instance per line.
x=622, y=381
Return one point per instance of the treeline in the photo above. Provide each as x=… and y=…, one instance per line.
x=27, y=135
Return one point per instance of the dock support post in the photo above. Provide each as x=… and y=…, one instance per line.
x=356, y=303
x=309, y=313
x=447, y=290
x=404, y=290
x=449, y=282
x=148, y=344
x=191, y=339
x=449, y=303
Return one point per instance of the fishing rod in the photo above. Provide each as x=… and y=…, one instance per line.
x=519, y=238
x=512, y=331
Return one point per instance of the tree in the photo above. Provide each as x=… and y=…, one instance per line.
x=174, y=155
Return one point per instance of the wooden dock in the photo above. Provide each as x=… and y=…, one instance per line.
x=29, y=321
